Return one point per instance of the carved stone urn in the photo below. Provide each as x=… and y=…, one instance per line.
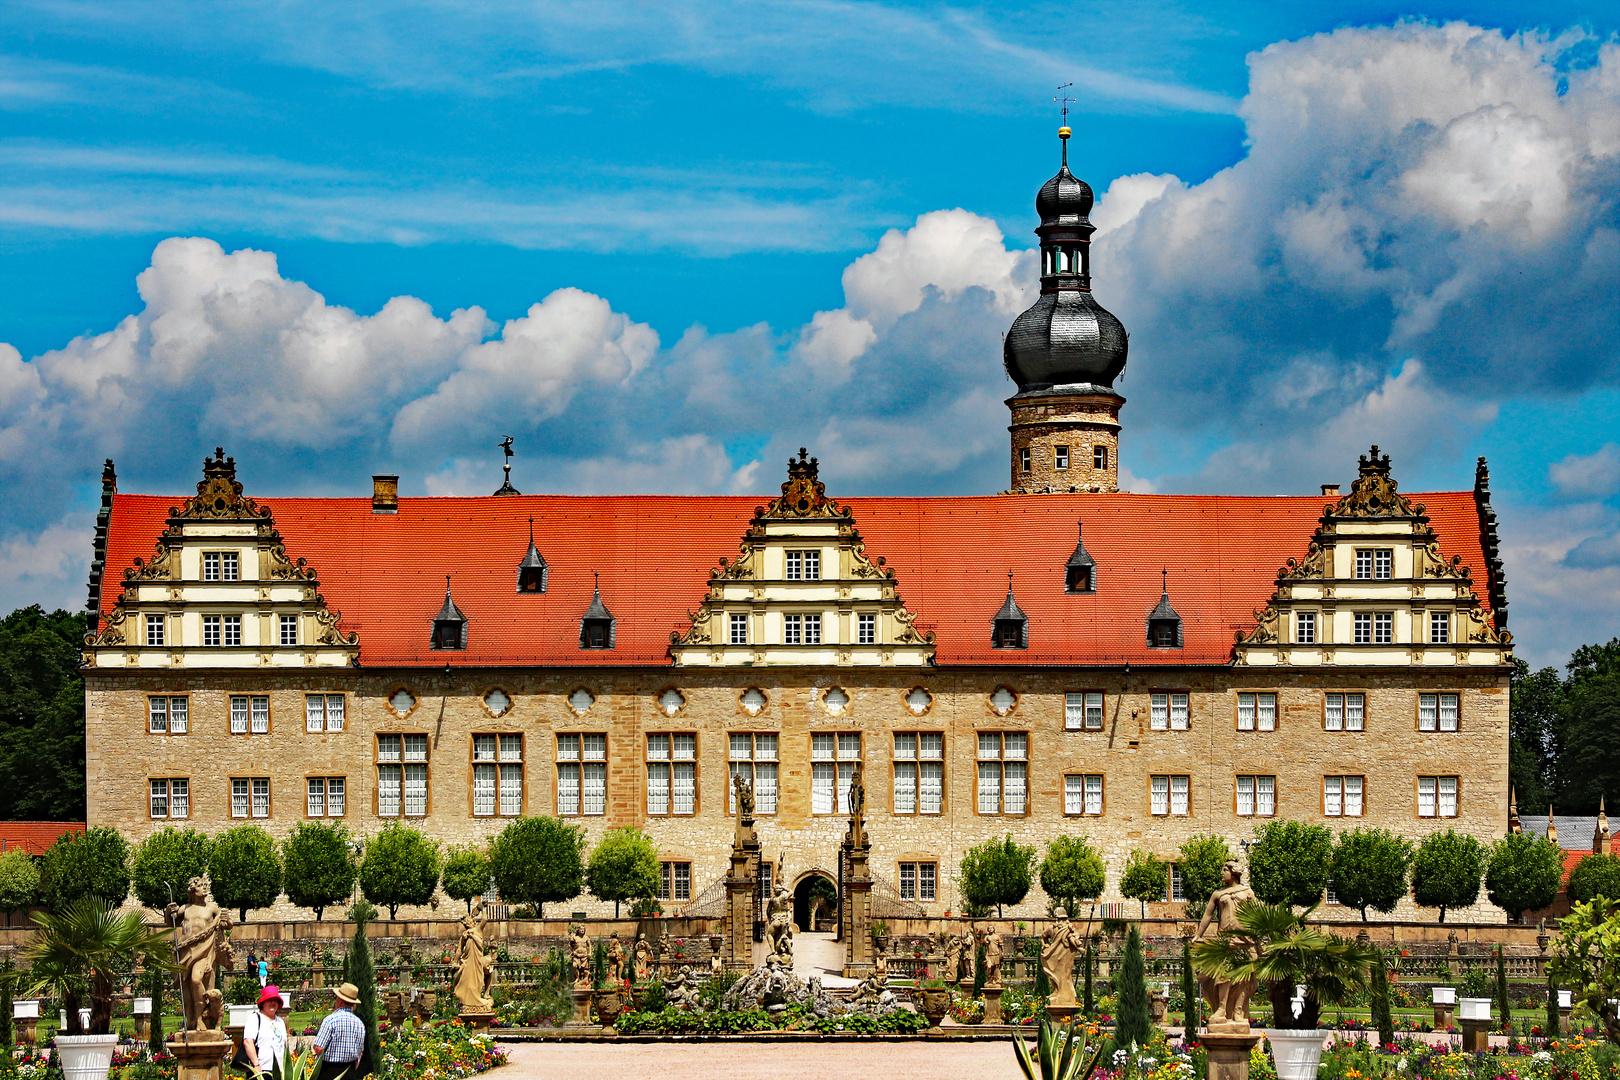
x=935, y=1004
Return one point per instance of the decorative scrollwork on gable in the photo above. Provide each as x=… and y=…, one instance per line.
x=1431, y=563
x=909, y=633
x=1374, y=493
x=1267, y=628
x=285, y=568
x=330, y=633
x=1313, y=565
x=161, y=568
x=741, y=567
x=861, y=566
x=1473, y=626
x=701, y=632
x=219, y=494
x=804, y=495
x=111, y=632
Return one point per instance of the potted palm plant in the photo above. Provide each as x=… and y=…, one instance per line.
x=1275, y=946
x=75, y=957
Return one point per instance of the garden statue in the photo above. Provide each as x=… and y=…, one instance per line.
x=880, y=958
x=745, y=797
x=475, y=964
x=1059, y=943
x=992, y=954
x=857, y=809
x=953, y=956
x=615, y=960
x=579, y=956
x=644, y=956
x=1228, y=1000
x=780, y=919
x=200, y=944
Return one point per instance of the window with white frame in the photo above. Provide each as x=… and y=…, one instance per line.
x=1344, y=712
x=1099, y=457
x=171, y=799
x=210, y=629
x=804, y=566
x=1256, y=796
x=250, y=797
x=866, y=628
x=753, y=757
x=918, y=881
x=832, y=765
x=919, y=772
x=1437, y=796
x=1169, y=795
x=801, y=629
x=671, y=772
x=154, y=631
x=289, y=629
x=497, y=775
x=1083, y=711
x=221, y=566
x=1375, y=564
x=1437, y=712
x=1305, y=627
x=325, y=796
x=1169, y=711
x=1178, y=883
x=1440, y=627
x=1083, y=793
x=581, y=774
x=1362, y=628
x=1003, y=772
x=250, y=714
x=1383, y=627
x=323, y=712
x=1060, y=457
x=1342, y=796
x=167, y=715
x=402, y=775
x=739, y=628
x=1023, y=460
x=675, y=881
x=1257, y=711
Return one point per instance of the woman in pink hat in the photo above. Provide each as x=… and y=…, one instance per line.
x=265, y=1034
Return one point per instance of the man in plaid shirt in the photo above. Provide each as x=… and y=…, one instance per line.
x=341, y=1041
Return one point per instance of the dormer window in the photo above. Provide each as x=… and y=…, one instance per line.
x=532, y=571
x=1010, y=627
x=1163, y=624
x=221, y=566
x=449, y=625
x=1080, y=572
x=596, y=629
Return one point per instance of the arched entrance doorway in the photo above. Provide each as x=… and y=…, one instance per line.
x=812, y=887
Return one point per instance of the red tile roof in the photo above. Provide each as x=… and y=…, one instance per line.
x=950, y=555
x=34, y=836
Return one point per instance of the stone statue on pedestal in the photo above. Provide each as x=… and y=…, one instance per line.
x=780, y=921
x=1059, y=943
x=743, y=789
x=1228, y=1000
x=579, y=956
x=200, y=943
x=992, y=954
x=953, y=956
x=857, y=809
x=475, y=968
x=615, y=960
x=644, y=956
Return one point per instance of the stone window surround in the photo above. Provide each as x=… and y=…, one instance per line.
x=944, y=778
x=472, y=762
x=1322, y=809
x=1346, y=729
x=1169, y=717
x=269, y=793
x=483, y=703
x=168, y=728
x=1437, y=815
x=168, y=798
x=753, y=760
x=918, y=861
x=377, y=763
x=269, y=715
x=324, y=694
x=666, y=876
x=388, y=702
x=1103, y=776
x=1028, y=760
x=1276, y=710
x=1276, y=790
x=1417, y=712
x=1170, y=795
x=327, y=803
x=840, y=791
x=1089, y=690
x=697, y=772
x=607, y=772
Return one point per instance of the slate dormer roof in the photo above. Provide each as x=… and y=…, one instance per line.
x=1161, y=614
x=533, y=565
x=1081, y=560
x=597, y=613
x=450, y=614
x=1010, y=613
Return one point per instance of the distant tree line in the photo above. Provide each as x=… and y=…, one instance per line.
x=41, y=716
x=1565, y=731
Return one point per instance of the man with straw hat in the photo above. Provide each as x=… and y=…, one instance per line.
x=341, y=1041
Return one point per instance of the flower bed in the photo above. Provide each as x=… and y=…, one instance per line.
x=444, y=1051
x=673, y=1021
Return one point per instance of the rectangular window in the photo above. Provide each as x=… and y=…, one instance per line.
x=325, y=796
x=1169, y=712
x=1256, y=796
x=1437, y=796
x=918, y=881
x=672, y=773
x=1305, y=627
x=1178, y=883
x=323, y=712
x=171, y=799
x=1083, y=711
x=1082, y=794
x=1437, y=712
x=675, y=881
x=250, y=797
x=167, y=715
x=1383, y=628
x=1099, y=457
x=1061, y=456
x=1023, y=460
x=1375, y=564
x=919, y=772
x=233, y=631
x=1363, y=628
x=210, y=625
x=581, y=774
x=497, y=775
x=1003, y=772
x=289, y=629
x=1342, y=796
x=1169, y=795
x=250, y=714
x=154, y=631
x=210, y=566
x=1257, y=712
x=832, y=765
x=753, y=757
x=1344, y=712
x=402, y=787
x=221, y=566
x=1440, y=627
x=866, y=629
x=739, y=629
x=804, y=566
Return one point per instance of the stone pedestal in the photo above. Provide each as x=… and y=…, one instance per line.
x=1444, y=1016
x=235, y=1032
x=1229, y=1055
x=1060, y=1014
x=964, y=986
x=858, y=916
x=476, y=1021
x=1158, y=1006
x=582, y=1007
x=1476, y=1035
x=992, y=1003
x=740, y=886
x=28, y=1031
x=200, y=1055
x=143, y=1026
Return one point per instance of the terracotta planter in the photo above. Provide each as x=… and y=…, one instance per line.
x=1298, y=1053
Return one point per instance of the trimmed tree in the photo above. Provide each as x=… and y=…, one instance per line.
x=997, y=872
x=154, y=988
x=466, y=874
x=1072, y=871
x=624, y=866
x=92, y=863
x=538, y=860
x=1370, y=869
x=243, y=869
x=19, y=882
x=1146, y=878
x=358, y=969
x=1189, y=990
x=1503, y=1005
x=1523, y=873
x=1595, y=875
x=1289, y=862
x=1134, y=1023
x=165, y=862
x=1446, y=871
x=1586, y=959
x=400, y=866
x=1201, y=859
x=1378, y=987
x=318, y=864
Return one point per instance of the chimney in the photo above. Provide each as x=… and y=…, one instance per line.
x=1330, y=490
x=384, y=494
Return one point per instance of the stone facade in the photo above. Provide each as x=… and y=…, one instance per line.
x=1064, y=441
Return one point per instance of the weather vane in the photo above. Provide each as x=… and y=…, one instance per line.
x=1065, y=100
x=506, y=487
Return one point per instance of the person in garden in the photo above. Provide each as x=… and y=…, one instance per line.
x=264, y=972
x=341, y=1041
x=264, y=1036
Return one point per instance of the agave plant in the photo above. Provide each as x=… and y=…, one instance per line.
x=1274, y=945
x=1061, y=1053
x=298, y=1066
x=75, y=952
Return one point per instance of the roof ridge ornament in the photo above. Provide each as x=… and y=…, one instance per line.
x=219, y=494
x=1375, y=494
x=804, y=495
x=506, y=487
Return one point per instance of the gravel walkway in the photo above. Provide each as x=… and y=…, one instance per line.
x=760, y=1061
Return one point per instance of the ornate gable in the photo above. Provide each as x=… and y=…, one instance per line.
x=221, y=591
x=1373, y=588
x=802, y=591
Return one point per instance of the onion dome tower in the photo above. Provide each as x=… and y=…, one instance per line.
x=1065, y=353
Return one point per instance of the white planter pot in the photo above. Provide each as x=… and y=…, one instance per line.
x=61, y=1018
x=239, y=1015
x=25, y=1010
x=1566, y=999
x=1474, y=1008
x=86, y=1057
x=1445, y=995
x=1298, y=1053
x=142, y=1006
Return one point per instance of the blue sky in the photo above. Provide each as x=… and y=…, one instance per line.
x=662, y=246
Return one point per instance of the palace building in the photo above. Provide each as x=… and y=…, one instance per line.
x=1059, y=658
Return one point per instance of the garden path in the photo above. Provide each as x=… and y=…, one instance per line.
x=760, y=1060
